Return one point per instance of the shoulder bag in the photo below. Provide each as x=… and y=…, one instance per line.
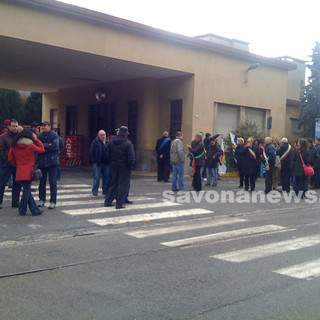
x=308, y=170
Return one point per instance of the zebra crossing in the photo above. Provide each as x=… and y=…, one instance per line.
x=76, y=200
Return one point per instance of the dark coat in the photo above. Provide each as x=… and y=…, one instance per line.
x=50, y=142
x=213, y=154
x=297, y=164
x=97, y=152
x=286, y=163
x=270, y=151
x=22, y=157
x=314, y=158
x=165, y=151
x=250, y=162
x=6, y=140
x=120, y=152
x=240, y=156
x=196, y=151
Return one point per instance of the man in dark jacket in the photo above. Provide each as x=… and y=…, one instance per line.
x=317, y=166
x=285, y=153
x=101, y=167
x=269, y=158
x=240, y=157
x=198, y=153
x=48, y=163
x=213, y=154
x=314, y=159
x=7, y=169
x=120, y=154
x=163, y=157
x=251, y=158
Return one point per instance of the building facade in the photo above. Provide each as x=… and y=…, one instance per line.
x=148, y=79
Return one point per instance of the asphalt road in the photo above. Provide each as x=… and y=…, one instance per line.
x=157, y=260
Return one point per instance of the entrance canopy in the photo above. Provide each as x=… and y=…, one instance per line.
x=31, y=66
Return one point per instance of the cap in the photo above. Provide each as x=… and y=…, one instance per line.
x=123, y=131
x=46, y=123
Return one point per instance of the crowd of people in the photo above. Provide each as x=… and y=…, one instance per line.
x=21, y=149
x=24, y=149
x=113, y=158
x=280, y=164
x=204, y=156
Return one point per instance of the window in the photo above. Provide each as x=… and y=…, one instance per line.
x=175, y=116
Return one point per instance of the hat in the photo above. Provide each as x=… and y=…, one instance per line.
x=6, y=123
x=46, y=123
x=123, y=131
x=284, y=140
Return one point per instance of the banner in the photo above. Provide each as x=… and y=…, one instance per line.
x=234, y=142
x=223, y=163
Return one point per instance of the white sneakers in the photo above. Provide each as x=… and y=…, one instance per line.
x=51, y=205
x=41, y=204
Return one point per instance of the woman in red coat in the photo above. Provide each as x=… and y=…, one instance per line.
x=21, y=155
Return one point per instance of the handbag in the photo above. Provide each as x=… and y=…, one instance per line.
x=36, y=173
x=308, y=170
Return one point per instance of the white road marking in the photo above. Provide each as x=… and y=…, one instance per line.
x=223, y=235
x=269, y=249
x=78, y=212
x=77, y=192
x=306, y=270
x=150, y=216
x=89, y=202
x=35, y=226
x=101, y=199
x=155, y=232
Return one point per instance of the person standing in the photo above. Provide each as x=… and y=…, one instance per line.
x=258, y=144
x=48, y=163
x=120, y=154
x=250, y=157
x=206, y=142
x=163, y=157
x=6, y=140
x=21, y=156
x=212, y=156
x=317, y=166
x=276, y=169
x=198, y=153
x=300, y=180
x=240, y=156
x=314, y=159
x=177, y=162
x=269, y=158
x=285, y=153
x=101, y=167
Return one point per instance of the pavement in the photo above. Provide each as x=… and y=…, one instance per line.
x=197, y=258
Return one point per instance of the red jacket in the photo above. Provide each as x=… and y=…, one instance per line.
x=22, y=157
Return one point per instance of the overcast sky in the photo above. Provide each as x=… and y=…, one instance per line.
x=273, y=28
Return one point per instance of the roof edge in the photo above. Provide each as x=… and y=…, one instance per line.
x=92, y=16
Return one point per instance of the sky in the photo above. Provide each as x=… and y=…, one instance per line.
x=273, y=28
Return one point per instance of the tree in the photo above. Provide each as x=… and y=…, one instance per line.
x=33, y=108
x=246, y=129
x=11, y=105
x=310, y=107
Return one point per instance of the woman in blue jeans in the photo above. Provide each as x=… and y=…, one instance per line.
x=24, y=146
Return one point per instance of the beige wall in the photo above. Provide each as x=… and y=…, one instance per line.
x=215, y=77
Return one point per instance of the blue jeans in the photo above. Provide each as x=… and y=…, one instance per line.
x=52, y=171
x=212, y=176
x=178, y=176
x=103, y=170
x=27, y=199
